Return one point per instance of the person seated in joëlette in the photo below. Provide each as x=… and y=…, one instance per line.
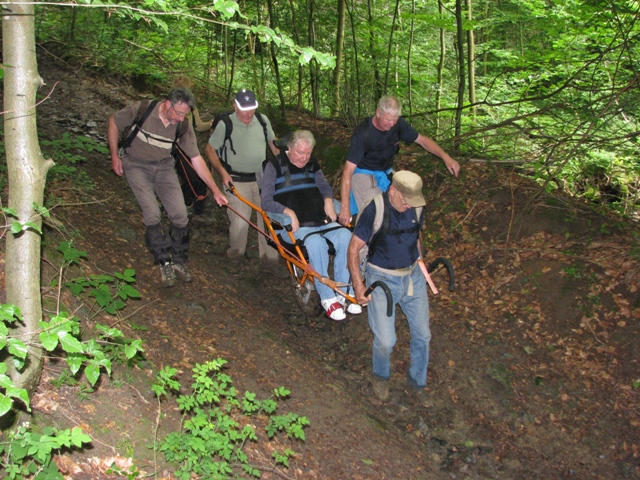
x=293, y=184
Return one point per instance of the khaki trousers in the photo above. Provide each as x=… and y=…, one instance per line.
x=239, y=228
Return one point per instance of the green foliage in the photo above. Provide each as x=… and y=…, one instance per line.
x=68, y=151
x=26, y=454
x=18, y=226
x=109, y=292
x=216, y=424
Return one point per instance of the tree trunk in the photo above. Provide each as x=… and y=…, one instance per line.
x=356, y=62
x=411, y=31
x=393, y=27
x=461, y=70
x=372, y=51
x=342, y=6
x=313, y=65
x=233, y=68
x=296, y=36
x=471, y=61
x=274, y=60
x=443, y=51
x=27, y=171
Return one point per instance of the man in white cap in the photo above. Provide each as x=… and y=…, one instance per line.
x=236, y=150
x=393, y=254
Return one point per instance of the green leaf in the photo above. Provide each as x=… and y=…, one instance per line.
x=49, y=341
x=75, y=362
x=78, y=437
x=93, y=373
x=5, y=404
x=16, y=228
x=70, y=344
x=17, y=348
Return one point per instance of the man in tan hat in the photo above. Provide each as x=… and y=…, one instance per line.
x=392, y=237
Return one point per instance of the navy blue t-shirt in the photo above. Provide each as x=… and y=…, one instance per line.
x=383, y=145
x=393, y=251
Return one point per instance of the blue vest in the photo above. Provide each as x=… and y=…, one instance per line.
x=296, y=188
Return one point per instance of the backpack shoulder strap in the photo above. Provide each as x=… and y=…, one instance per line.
x=380, y=221
x=144, y=110
x=262, y=122
x=364, y=128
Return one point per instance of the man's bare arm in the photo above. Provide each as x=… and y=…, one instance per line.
x=353, y=262
x=345, y=193
x=216, y=163
x=432, y=147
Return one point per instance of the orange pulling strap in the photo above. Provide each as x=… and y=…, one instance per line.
x=427, y=276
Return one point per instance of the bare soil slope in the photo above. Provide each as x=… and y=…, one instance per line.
x=534, y=355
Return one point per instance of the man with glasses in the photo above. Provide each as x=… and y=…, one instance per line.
x=149, y=169
x=244, y=155
x=393, y=254
x=373, y=147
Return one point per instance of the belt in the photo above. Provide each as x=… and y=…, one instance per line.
x=150, y=162
x=398, y=272
x=243, y=177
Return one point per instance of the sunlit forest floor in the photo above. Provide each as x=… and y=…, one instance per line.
x=535, y=356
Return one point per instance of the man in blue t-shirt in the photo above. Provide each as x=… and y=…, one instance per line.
x=393, y=257
x=370, y=157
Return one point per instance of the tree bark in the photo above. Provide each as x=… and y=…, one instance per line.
x=274, y=60
x=372, y=51
x=342, y=6
x=471, y=60
x=393, y=27
x=461, y=70
x=443, y=51
x=296, y=36
x=411, y=31
x=313, y=65
x=356, y=62
x=27, y=171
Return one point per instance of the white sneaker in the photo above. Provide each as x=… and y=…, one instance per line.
x=333, y=309
x=351, y=308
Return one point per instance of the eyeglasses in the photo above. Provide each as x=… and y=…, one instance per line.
x=302, y=153
x=179, y=114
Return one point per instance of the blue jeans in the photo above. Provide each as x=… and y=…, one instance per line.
x=319, y=255
x=416, y=309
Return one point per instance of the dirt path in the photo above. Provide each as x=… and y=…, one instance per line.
x=534, y=357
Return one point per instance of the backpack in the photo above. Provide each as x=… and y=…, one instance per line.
x=144, y=110
x=228, y=130
x=380, y=225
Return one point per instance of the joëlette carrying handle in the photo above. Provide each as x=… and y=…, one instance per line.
x=448, y=266
x=387, y=293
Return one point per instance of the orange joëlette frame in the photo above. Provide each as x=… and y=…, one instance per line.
x=291, y=258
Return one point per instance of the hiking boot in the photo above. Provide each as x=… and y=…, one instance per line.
x=380, y=388
x=333, y=309
x=181, y=271
x=275, y=268
x=351, y=308
x=168, y=276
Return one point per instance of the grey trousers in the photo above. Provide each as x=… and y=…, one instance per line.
x=150, y=179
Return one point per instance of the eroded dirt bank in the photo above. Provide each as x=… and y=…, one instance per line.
x=533, y=357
